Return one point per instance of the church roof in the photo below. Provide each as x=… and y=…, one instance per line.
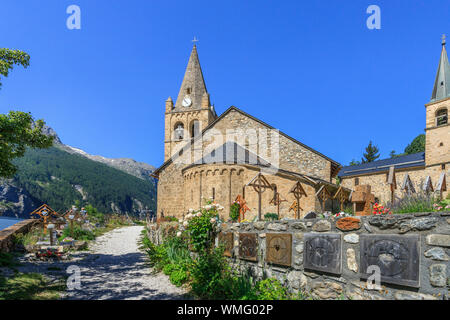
x=407, y=161
x=441, y=89
x=193, y=83
x=231, y=153
x=335, y=164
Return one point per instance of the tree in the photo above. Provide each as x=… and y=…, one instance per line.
x=9, y=58
x=371, y=154
x=354, y=162
x=18, y=130
x=417, y=145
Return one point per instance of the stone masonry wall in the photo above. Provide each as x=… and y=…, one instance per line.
x=342, y=275
x=7, y=235
x=381, y=189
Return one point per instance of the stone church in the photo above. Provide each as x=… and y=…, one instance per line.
x=426, y=172
x=207, y=156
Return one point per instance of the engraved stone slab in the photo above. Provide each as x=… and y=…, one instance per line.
x=323, y=252
x=396, y=256
x=279, y=248
x=227, y=240
x=248, y=246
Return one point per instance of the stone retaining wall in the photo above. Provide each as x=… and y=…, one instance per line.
x=329, y=258
x=7, y=235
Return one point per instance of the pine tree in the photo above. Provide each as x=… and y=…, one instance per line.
x=371, y=154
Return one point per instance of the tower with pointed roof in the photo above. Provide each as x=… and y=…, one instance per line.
x=192, y=111
x=437, y=131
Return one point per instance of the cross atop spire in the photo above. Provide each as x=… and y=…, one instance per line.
x=194, y=41
x=443, y=39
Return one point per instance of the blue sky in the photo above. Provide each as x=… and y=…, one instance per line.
x=309, y=68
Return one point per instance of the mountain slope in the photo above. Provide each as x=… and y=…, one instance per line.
x=59, y=178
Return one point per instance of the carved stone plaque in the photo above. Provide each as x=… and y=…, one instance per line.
x=227, y=239
x=279, y=248
x=248, y=246
x=398, y=258
x=323, y=252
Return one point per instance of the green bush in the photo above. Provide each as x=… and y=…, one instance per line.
x=271, y=289
x=168, y=269
x=77, y=233
x=234, y=212
x=270, y=217
x=416, y=202
x=178, y=277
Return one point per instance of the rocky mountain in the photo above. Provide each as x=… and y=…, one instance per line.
x=63, y=175
x=140, y=170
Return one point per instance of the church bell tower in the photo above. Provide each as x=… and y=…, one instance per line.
x=192, y=111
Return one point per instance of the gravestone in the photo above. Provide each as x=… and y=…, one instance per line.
x=323, y=252
x=248, y=246
x=227, y=239
x=398, y=257
x=310, y=215
x=279, y=248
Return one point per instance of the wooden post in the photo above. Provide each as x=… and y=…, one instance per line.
x=259, y=184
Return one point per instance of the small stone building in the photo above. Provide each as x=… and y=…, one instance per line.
x=421, y=172
x=210, y=156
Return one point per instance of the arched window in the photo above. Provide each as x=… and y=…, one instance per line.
x=441, y=117
x=195, y=128
x=179, y=131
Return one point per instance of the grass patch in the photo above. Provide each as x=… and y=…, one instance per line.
x=29, y=286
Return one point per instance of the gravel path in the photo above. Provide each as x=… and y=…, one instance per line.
x=114, y=268
x=117, y=269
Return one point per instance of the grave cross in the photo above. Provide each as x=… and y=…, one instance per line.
x=45, y=213
x=341, y=195
x=298, y=191
x=242, y=207
x=259, y=184
x=277, y=200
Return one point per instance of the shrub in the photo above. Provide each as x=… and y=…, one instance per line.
x=270, y=217
x=178, y=277
x=234, y=211
x=201, y=227
x=210, y=276
x=416, y=202
x=271, y=289
x=77, y=233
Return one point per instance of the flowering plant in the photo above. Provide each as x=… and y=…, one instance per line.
x=201, y=225
x=234, y=211
x=379, y=209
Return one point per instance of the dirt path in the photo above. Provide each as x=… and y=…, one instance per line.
x=115, y=268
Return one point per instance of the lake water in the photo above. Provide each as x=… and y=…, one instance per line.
x=6, y=222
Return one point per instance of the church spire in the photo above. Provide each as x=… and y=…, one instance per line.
x=193, y=87
x=441, y=88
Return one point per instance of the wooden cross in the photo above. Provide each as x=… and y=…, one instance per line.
x=392, y=182
x=242, y=207
x=342, y=196
x=277, y=200
x=45, y=213
x=294, y=206
x=298, y=191
x=323, y=194
x=259, y=184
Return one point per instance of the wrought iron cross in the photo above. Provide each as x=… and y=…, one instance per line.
x=259, y=184
x=298, y=191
